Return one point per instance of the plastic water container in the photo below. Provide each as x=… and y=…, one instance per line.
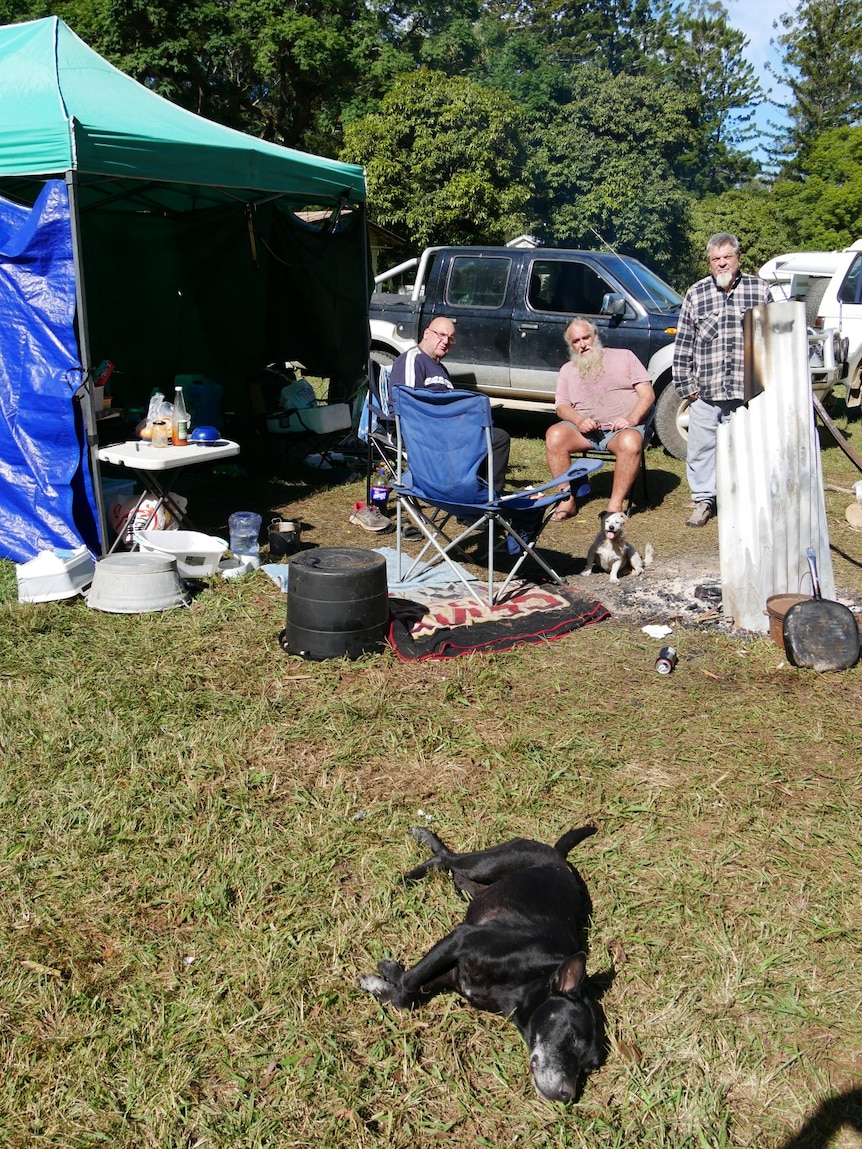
x=244, y=534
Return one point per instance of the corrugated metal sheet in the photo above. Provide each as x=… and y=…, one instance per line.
x=770, y=483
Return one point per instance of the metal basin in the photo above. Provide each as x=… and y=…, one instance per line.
x=135, y=584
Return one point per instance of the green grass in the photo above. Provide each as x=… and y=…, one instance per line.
x=201, y=839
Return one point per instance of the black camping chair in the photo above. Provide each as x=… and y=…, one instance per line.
x=377, y=427
x=314, y=425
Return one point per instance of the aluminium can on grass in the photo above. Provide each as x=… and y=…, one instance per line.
x=666, y=660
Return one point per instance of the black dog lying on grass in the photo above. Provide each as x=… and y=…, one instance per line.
x=519, y=952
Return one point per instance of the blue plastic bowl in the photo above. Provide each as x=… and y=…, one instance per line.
x=205, y=435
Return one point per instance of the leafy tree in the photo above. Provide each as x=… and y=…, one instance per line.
x=444, y=161
x=518, y=61
x=822, y=61
x=823, y=210
x=439, y=34
x=85, y=17
x=605, y=165
x=750, y=214
x=616, y=35
x=282, y=73
x=704, y=56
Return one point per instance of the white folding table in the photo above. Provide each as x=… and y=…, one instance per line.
x=156, y=469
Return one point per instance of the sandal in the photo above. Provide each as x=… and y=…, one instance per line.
x=562, y=516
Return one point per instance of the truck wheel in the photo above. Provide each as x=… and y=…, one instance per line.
x=671, y=422
x=383, y=357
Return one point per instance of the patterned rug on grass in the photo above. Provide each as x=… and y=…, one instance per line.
x=447, y=627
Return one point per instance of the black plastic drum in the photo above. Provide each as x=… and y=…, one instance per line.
x=337, y=603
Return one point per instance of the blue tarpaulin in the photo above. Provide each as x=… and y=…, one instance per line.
x=46, y=492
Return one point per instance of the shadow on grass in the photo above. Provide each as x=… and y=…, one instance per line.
x=843, y=1111
x=263, y=478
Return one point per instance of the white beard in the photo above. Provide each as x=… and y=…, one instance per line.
x=589, y=364
x=724, y=279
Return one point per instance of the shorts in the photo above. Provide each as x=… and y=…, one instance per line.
x=600, y=438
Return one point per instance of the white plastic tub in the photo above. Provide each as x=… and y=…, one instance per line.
x=197, y=554
x=54, y=575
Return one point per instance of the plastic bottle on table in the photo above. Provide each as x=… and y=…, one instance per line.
x=179, y=420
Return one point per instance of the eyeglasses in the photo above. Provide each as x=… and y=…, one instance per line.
x=442, y=335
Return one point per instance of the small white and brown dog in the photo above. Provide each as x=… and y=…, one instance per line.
x=613, y=551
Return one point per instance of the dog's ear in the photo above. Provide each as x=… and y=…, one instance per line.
x=568, y=978
x=603, y=515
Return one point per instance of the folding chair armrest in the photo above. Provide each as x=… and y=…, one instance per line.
x=527, y=496
x=376, y=409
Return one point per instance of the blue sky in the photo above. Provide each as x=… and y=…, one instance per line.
x=755, y=18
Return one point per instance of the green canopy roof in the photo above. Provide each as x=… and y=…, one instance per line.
x=63, y=108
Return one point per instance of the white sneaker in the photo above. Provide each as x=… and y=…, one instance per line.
x=369, y=518
x=701, y=515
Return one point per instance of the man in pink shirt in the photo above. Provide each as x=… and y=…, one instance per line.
x=603, y=397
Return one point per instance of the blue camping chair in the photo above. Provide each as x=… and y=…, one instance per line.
x=446, y=438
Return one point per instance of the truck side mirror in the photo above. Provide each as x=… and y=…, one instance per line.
x=614, y=305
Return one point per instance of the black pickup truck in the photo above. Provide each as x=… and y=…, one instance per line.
x=511, y=307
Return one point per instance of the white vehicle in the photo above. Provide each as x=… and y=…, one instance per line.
x=800, y=275
x=840, y=307
x=809, y=277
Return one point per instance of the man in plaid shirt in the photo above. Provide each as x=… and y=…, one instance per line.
x=708, y=361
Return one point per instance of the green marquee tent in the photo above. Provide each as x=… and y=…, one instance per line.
x=63, y=107
x=190, y=256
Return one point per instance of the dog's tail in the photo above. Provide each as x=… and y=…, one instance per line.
x=571, y=838
x=649, y=554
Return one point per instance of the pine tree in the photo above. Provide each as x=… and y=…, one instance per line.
x=822, y=60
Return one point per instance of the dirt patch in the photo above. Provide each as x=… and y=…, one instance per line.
x=682, y=591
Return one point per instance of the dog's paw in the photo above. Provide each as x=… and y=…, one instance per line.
x=586, y=573
x=393, y=971
x=385, y=985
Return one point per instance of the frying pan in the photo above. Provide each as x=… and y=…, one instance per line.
x=820, y=634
